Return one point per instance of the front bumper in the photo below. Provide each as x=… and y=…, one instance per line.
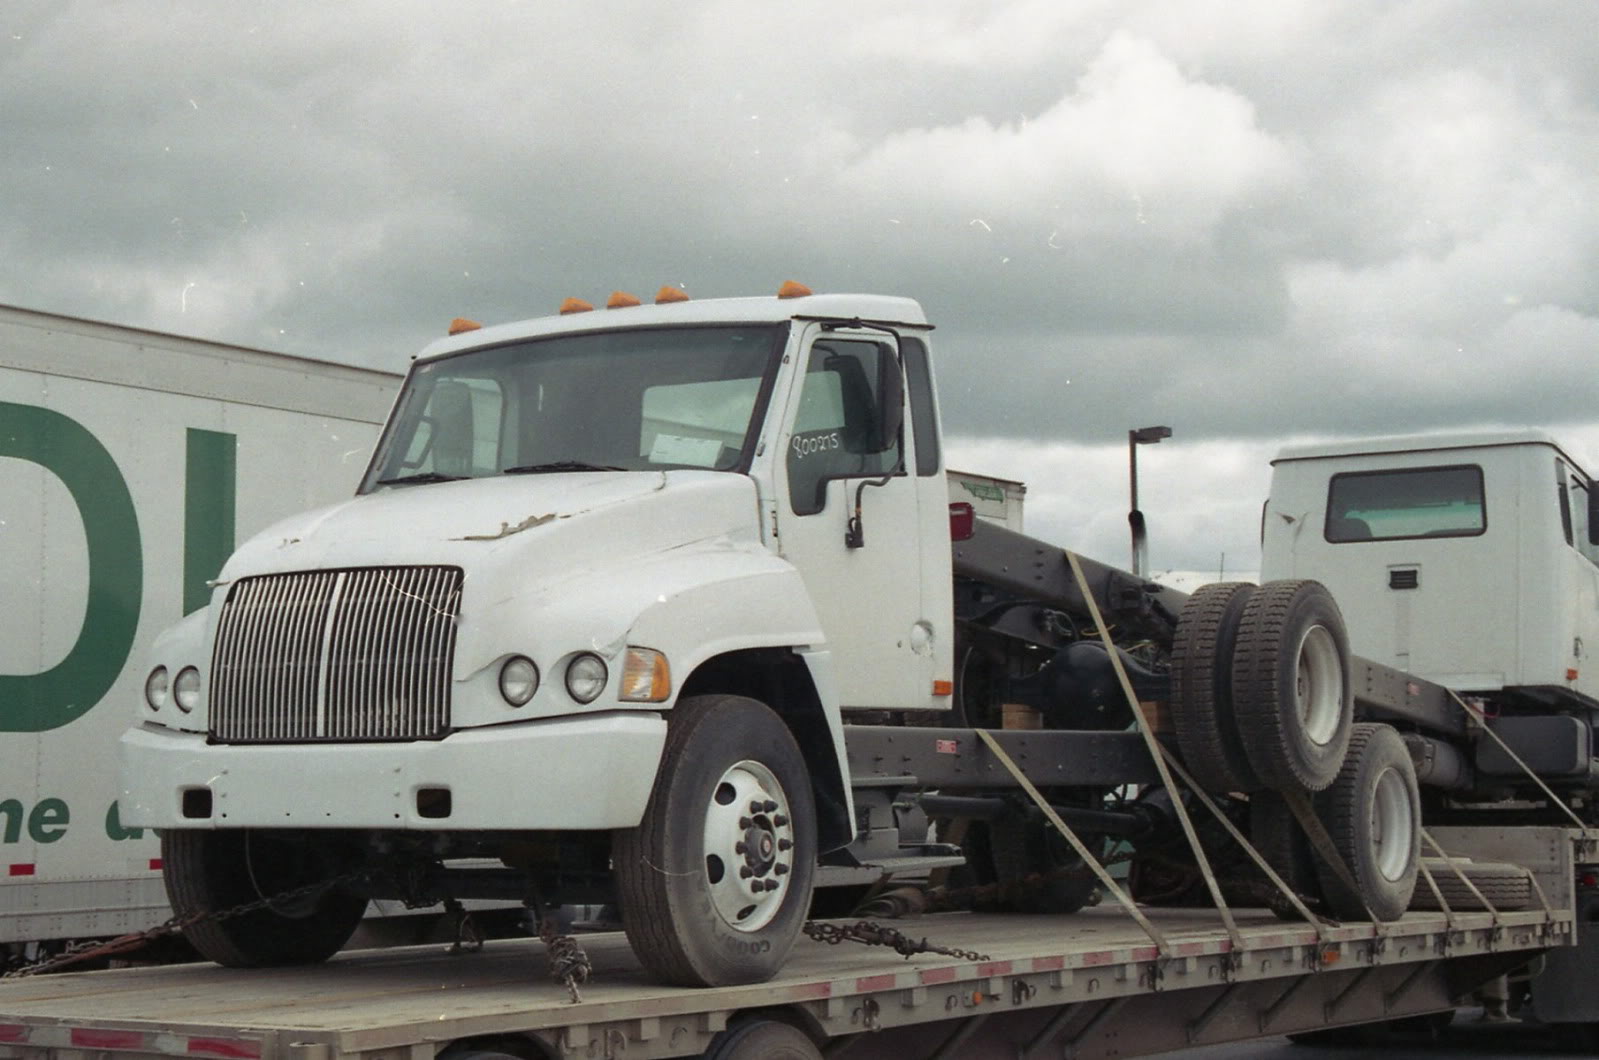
x=592, y=772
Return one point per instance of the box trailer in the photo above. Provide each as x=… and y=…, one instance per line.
x=132, y=463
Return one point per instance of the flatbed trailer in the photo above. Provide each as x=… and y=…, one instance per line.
x=1092, y=984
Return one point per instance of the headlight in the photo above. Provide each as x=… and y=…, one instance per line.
x=186, y=689
x=519, y=679
x=585, y=678
x=156, y=687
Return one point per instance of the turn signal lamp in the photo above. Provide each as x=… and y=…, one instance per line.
x=670, y=294
x=791, y=289
x=646, y=678
x=620, y=300
x=575, y=305
x=460, y=324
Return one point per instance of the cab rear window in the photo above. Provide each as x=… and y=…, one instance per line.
x=1414, y=502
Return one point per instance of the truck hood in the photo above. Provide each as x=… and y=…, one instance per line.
x=542, y=525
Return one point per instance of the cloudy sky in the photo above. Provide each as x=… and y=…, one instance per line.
x=1252, y=220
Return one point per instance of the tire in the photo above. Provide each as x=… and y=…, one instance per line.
x=1507, y=887
x=212, y=871
x=1278, y=837
x=1292, y=696
x=733, y=796
x=1021, y=848
x=763, y=1039
x=1201, y=688
x=1372, y=810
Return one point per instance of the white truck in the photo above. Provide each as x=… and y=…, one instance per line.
x=130, y=461
x=658, y=605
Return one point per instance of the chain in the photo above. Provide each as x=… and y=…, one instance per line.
x=568, y=963
x=86, y=951
x=870, y=934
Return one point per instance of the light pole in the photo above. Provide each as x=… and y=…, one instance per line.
x=1135, y=518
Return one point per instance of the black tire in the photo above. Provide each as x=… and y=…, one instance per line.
x=1036, y=869
x=763, y=1039
x=212, y=871
x=1292, y=696
x=1372, y=810
x=1506, y=886
x=1278, y=837
x=732, y=794
x=1201, y=688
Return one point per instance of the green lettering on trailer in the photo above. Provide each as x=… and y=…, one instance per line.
x=49, y=700
x=208, y=506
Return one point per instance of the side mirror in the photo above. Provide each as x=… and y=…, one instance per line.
x=891, y=401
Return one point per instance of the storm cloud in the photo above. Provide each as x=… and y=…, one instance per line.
x=1249, y=220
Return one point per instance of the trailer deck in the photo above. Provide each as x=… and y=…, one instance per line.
x=1045, y=980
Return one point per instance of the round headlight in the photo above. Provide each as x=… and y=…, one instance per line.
x=186, y=689
x=156, y=687
x=519, y=679
x=585, y=678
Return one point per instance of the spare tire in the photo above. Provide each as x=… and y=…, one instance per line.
x=1507, y=887
x=1202, y=691
x=1291, y=693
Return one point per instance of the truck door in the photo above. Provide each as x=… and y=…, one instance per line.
x=864, y=577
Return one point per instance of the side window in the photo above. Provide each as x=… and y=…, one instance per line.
x=1575, y=494
x=1563, y=490
x=924, y=413
x=838, y=429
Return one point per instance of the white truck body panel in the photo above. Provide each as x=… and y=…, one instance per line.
x=272, y=434
x=1508, y=598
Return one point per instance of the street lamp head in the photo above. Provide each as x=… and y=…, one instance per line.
x=1148, y=435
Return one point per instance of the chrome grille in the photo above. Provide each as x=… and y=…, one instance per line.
x=336, y=655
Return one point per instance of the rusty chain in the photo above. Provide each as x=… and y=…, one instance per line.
x=872, y=934
x=86, y=951
x=568, y=963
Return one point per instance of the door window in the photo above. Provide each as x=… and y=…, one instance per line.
x=838, y=431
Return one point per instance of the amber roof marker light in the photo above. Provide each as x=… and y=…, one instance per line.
x=667, y=295
x=575, y=305
x=621, y=300
x=793, y=289
x=461, y=324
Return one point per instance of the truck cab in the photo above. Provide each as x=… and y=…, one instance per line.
x=1466, y=559
x=600, y=601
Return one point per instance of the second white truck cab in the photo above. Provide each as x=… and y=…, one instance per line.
x=1467, y=559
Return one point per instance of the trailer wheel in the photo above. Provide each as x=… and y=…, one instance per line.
x=1292, y=696
x=1372, y=810
x=763, y=1039
x=1282, y=842
x=1506, y=886
x=715, y=881
x=1201, y=688
x=213, y=871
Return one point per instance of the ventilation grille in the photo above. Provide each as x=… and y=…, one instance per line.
x=1404, y=578
x=336, y=655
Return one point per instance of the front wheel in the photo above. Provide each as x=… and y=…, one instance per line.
x=211, y=872
x=715, y=881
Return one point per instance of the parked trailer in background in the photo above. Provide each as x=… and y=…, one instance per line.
x=131, y=464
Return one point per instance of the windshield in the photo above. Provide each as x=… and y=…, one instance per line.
x=645, y=399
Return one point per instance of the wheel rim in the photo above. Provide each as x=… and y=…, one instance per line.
x=1392, y=827
x=1319, y=685
x=749, y=846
